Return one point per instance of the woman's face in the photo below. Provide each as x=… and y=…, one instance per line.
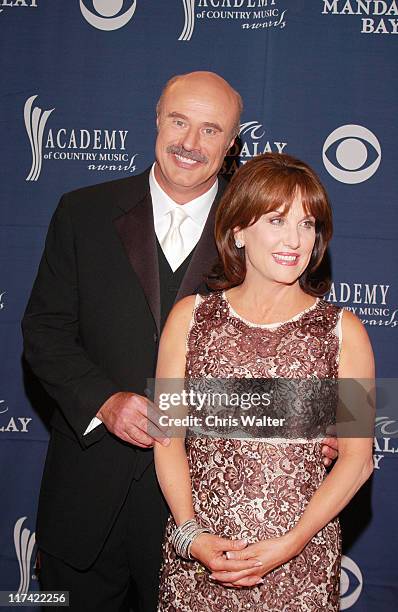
x=278, y=246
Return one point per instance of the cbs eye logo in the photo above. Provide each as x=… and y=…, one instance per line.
x=108, y=15
x=351, y=154
x=351, y=583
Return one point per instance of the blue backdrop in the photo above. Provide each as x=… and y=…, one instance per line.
x=80, y=85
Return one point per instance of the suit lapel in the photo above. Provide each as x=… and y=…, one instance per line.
x=205, y=254
x=137, y=234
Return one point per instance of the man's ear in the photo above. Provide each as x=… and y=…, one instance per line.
x=231, y=144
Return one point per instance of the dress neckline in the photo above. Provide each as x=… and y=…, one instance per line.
x=268, y=325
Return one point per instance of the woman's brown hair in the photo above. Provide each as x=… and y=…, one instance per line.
x=266, y=183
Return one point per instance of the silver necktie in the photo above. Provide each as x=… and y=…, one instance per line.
x=173, y=242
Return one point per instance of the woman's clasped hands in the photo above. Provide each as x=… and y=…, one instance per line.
x=242, y=564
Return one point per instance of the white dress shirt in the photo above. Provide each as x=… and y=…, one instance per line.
x=197, y=211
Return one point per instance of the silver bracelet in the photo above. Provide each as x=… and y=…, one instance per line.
x=184, y=535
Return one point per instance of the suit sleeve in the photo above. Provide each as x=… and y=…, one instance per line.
x=50, y=327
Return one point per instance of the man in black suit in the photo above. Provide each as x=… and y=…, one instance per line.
x=117, y=256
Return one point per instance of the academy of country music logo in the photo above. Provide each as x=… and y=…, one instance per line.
x=376, y=16
x=6, y=4
x=252, y=140
x=368, y=301
x=351, y=583
x=249, y=14
x=371, y=304
x=351, y=154
x=11, y=424
x=101, y=149
x=108, y=14
x=24, y=541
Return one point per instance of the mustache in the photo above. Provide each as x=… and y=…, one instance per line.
x=195, y=155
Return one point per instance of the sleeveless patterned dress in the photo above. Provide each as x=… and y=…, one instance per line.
x=257, y=488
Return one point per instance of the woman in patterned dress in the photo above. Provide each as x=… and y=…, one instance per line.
x=271, y=508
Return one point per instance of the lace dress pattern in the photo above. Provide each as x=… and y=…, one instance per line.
x=257, y=489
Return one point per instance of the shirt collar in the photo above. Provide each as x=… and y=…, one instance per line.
x=197, y=209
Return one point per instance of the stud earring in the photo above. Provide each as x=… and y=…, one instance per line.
x=238, y=244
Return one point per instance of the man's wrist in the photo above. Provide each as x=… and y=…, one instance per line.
x=105, y=406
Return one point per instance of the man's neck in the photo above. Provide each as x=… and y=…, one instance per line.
x=181, y=196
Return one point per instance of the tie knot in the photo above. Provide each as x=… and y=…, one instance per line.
x=178, y=216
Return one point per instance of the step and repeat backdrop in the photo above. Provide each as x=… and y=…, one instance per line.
x=80, y=82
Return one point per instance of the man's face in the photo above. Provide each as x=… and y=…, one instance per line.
x=195, y=127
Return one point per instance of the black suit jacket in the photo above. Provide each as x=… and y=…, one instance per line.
x=91, y=329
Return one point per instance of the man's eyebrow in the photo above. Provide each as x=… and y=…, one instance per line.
x=216, y=126
x=179, y=115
